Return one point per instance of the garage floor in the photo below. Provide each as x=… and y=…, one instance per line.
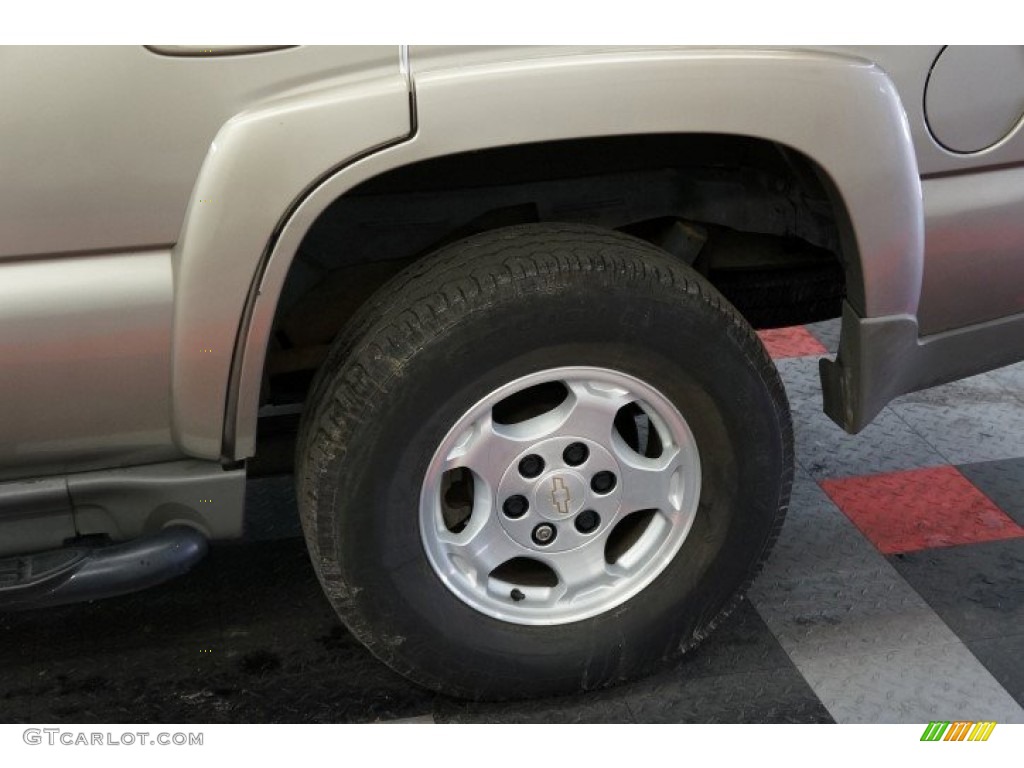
x=895, y=594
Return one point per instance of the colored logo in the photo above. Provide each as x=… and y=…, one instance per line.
x=961, y=730
x=560, y=495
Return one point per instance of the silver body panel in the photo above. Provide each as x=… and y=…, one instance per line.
x=100, y=146
x=974, y=254
x=86, y=350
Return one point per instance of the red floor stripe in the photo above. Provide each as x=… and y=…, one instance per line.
x=920, y=509
x=791, y=342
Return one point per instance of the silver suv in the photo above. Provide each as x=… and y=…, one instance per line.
x=497, y=306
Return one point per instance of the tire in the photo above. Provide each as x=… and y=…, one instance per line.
x=427, y=370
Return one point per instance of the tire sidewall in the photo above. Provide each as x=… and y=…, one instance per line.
x=677, y=341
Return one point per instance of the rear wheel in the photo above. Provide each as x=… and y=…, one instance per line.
x=542, y=460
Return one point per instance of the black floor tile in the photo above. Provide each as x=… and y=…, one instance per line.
x=246, y=637
x=249, y=637
x=1004, y=658
x=740, y=674
x=771, y=696
x=598, y=707
x=742, y=643
x=977, y=589
x=1001, y=481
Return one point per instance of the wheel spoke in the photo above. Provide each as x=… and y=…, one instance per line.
x=479, y=549
x=591, y=409
x=487, y=449
x=649, y=483
x=580, y=571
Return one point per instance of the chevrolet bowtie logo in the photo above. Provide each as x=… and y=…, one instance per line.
x=560, y=495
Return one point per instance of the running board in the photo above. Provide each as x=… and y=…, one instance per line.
x=82, y=573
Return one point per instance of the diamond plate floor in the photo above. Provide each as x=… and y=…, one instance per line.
x=895, y=594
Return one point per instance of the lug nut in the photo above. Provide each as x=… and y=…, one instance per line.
x=587, y=521
x=531, y=466
x=515, y=506
x=544, y=534
x=602, y=482
x=575, y=454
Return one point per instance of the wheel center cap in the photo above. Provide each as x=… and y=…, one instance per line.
x=559, y=494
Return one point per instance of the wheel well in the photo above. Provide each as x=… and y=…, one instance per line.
x=761, y=221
